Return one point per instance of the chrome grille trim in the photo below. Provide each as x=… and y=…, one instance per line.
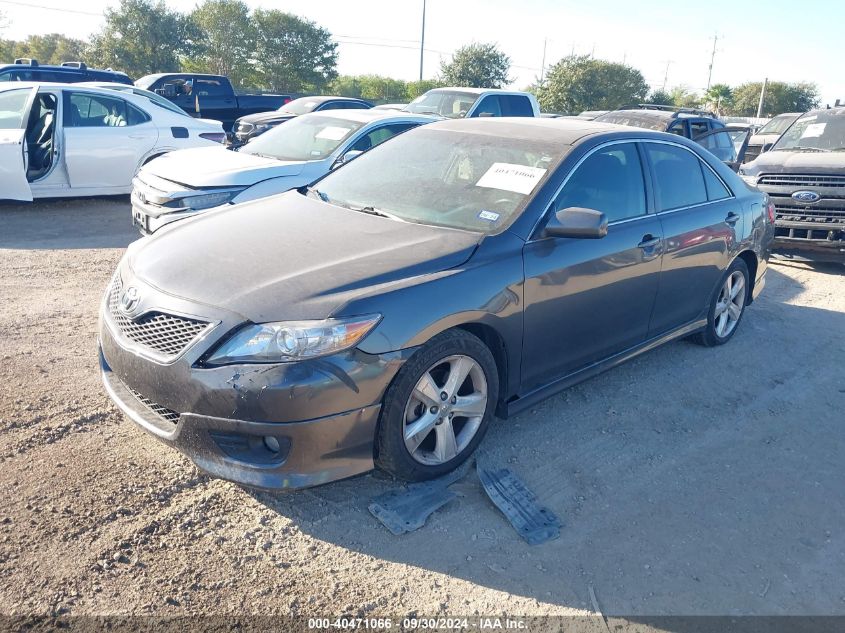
x=164, y=413
x=165, y=334
x=802, y=180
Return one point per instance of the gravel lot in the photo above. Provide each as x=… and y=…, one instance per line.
x=690, y=481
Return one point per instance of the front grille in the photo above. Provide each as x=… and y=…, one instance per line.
x=815, y=214
x=163, y=412
x=164, y=333
x=802, y=180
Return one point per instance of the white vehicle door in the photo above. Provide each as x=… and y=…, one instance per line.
x=105, y=139
x=14, y=107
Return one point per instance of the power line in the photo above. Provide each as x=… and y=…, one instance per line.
x=41, y=6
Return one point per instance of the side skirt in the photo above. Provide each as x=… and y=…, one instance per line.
x=564, y=382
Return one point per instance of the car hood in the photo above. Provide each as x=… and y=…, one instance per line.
x=783, y=162
x=219, y=167
x=274, y=116
x=290, y=257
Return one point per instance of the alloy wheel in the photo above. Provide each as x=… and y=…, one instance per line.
x=445, y=410
x=730, y=304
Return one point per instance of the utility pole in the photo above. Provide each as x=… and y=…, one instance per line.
x=422, y=43
x=712, y=57
x=543, y=65
x=762, y=98
x=666, y=75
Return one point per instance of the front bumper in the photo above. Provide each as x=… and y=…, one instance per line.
x=319, y=415
x=804, y=241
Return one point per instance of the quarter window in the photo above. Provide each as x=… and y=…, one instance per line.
x=716, y=189
x=678, y=176
x=611, y=181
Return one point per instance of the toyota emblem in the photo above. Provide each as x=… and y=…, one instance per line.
x=129, y=299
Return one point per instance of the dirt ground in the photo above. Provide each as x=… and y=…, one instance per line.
x=689, y=481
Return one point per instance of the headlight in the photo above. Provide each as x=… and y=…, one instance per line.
x=208, y=200
x=287, y=342
x=263, y=127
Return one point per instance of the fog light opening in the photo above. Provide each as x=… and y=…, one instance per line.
x=272, y=444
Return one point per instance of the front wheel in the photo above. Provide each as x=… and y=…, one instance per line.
x=727, y=306
x=438, y=407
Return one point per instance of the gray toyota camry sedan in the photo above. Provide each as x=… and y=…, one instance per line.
x=384, y=315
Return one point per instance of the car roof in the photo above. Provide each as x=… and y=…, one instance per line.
x=475, y=91
x=366, y=116
x=323, y=98
x=66, y=69
x=558, y=130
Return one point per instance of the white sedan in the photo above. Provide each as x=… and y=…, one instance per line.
x=183, y=184
x=79, y=140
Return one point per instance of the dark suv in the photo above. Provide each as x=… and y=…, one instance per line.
x=727, y=143
x=68, y=73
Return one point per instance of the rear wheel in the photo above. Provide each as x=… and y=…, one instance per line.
x=438, y=407
x=727, y=306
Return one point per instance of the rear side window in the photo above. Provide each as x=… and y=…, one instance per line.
x=678, y=176
x=678, y=127
x=611, y=181
x=515, y=105
x=87, y=110
x=12, y=108
x=698, y=127
x=204, y=87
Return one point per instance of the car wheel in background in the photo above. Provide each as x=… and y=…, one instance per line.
x=727, y=306
x=438, y=407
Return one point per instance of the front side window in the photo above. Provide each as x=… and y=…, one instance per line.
x=475, y=182
x=87, y=110
x=610, y=180
x=307, y=137
x=678, y=176
x=13, y=107
x=489, y=106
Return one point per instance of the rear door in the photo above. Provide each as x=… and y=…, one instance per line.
x=14, y=109
x=105, y=139
x=728, y=144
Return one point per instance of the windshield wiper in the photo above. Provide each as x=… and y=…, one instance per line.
x=318, y=193
x=369, y=210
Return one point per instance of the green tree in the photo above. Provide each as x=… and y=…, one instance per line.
x=780, y=97
x=684, y=97
x=141, y=37
x=294, y=54
x=227, y=41
x=53, y=48
x=414, y=89
x=345, y=86
x=719, y=97
x=661, y=97
x=477, y=66
x=580, y=82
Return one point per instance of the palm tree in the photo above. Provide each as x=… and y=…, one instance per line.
x=719, y=96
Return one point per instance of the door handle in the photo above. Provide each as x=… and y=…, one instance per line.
x=136, y=136
x=732, y=218
x=649, y=241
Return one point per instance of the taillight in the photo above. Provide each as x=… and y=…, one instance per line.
x=217, y=137
x=286, y=100
x=770, y=209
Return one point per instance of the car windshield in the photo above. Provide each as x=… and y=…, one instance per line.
x=634, y=119
x=821, y=131
x=778, y=124
x=475, y=182
x=303, y=105
x=452, y=104
x=309, y=137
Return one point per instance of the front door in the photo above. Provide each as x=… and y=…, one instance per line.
x=105, y=139
x=14, y=109
x=588, y=299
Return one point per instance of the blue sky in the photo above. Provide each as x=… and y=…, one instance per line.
x=785, y=41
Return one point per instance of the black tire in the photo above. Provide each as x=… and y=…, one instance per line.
x=709, y=336
x=392, y=455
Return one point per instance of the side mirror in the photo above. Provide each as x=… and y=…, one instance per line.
x=577, y=222
x=348, y=156
x=766, y=147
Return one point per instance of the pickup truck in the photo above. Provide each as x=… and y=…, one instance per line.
x=455, y=103
x=209, y=96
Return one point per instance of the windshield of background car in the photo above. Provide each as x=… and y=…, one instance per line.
x=303, y=105
x=475, y=182
x=308, y=137
x=823, y=130
x=777, y=125
x=447, y=103
x=633, y=119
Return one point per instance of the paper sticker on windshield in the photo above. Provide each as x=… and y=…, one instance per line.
x=490, y=216
x=510, y=177
x=332, y=133
x=814, y=130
